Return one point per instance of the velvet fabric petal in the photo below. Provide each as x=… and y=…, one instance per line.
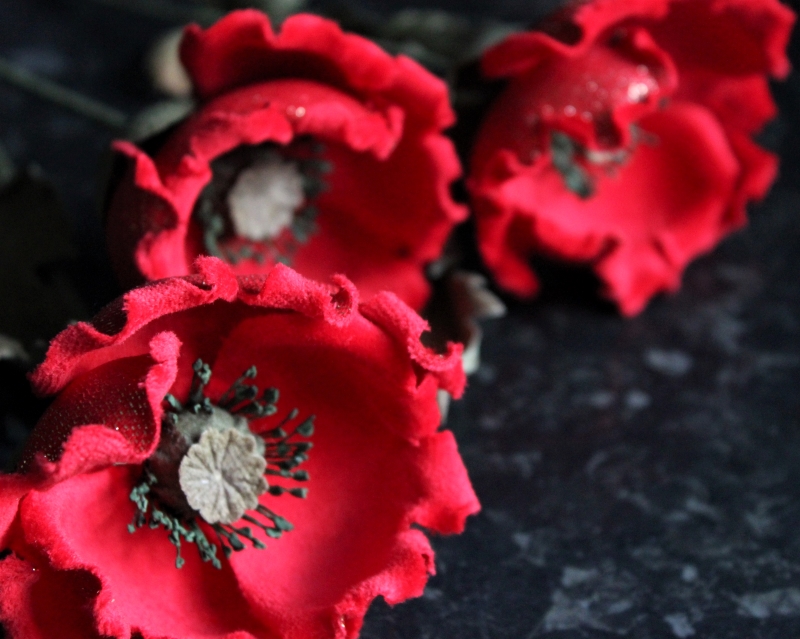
x=641, y=190
x=388, y=209
x=593, y=96
x=243, y=48
x=366, y=471
x=41, y=603
x=379, y=464
x=662, y=208
x=142, y=591
x=730, y=37
x=570, y=33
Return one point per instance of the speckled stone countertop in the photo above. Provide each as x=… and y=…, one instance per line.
x=639, y=477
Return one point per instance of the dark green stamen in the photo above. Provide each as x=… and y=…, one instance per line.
x=564, y=151
x=154, y=518
x=155, y=499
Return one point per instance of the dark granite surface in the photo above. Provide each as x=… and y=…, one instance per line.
x=639, y=478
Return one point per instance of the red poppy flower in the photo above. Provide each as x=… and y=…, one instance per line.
x=181, y=434
x=623, y=138
x=310, y=147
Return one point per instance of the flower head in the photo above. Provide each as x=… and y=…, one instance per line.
x=231, y=457
x=310, y=147
x=623, y=138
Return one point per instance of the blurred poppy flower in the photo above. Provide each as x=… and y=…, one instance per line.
x=623, y=138
x=310, y=147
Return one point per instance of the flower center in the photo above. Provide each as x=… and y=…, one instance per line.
x=259, y=204
x=210, y=467
x=580, y=166
x=264, y=198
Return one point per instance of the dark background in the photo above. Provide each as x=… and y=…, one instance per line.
x=639, y=477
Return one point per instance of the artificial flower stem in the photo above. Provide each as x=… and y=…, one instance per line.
x=62, y=96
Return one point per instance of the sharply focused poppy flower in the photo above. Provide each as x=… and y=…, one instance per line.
x=623, y=138
x=180, y=445
x=310, y=147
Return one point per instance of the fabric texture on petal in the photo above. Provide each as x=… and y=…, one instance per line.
x=379, y=463
x=387, y=210
x=595, y=154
